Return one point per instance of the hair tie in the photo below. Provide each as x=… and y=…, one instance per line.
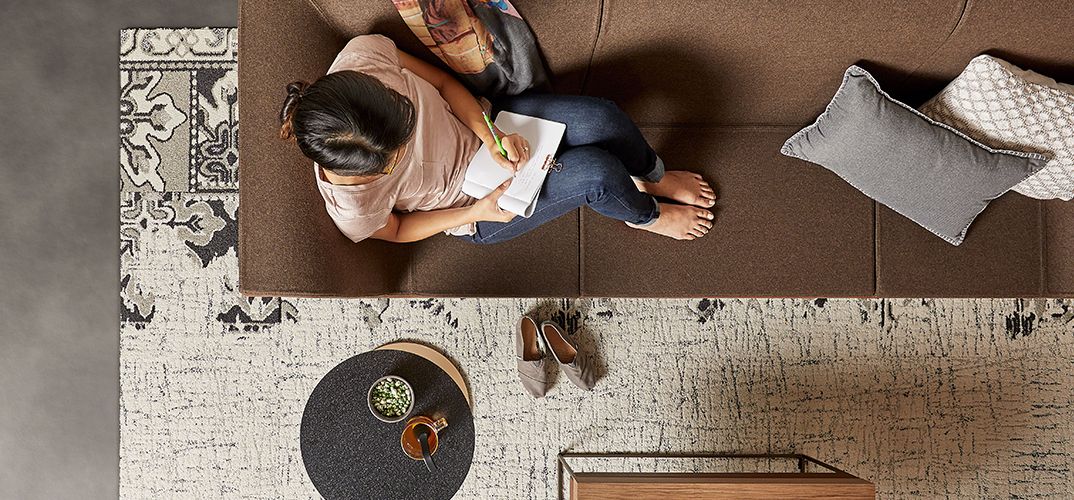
x=296, y=91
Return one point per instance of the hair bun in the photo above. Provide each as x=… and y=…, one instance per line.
x=297, y=88
x=295, y=92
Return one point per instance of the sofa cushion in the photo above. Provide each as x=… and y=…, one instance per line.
x=541, y=263
x=782, y=228
x=1001, y=258
x=1058, y=248
x=749, y=62
x=927, y=171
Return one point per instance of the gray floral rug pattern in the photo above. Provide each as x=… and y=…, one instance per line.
x=936, y=398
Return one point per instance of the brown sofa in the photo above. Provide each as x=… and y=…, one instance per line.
x=716, y=86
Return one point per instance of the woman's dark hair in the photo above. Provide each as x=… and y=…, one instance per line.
x=348, y=122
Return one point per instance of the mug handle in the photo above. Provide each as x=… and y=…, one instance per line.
x=439, y=424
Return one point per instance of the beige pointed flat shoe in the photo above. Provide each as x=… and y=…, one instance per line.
x=572, y=363
x=531, y=370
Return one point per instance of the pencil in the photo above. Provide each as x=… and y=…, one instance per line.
x=494, y=137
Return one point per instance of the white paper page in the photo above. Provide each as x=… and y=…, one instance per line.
x=484, y=175
x=517, y=206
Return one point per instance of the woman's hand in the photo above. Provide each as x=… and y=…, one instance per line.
x=488, y=208
x=518, y=151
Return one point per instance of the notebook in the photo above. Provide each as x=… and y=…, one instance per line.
x=484, y=175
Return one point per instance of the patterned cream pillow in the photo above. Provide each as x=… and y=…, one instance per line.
x=1006, y=107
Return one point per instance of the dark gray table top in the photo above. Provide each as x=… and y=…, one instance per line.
x=348, y=453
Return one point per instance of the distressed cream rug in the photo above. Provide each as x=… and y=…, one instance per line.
x=933, y=398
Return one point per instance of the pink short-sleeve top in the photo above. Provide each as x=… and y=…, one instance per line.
x=430, y=173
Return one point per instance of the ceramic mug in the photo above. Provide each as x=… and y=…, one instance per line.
x=417, y=430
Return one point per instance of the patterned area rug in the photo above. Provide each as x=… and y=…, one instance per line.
x=952, y=398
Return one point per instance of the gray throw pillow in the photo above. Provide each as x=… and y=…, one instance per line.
x=925, y=170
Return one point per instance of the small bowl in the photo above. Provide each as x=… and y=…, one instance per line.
x=376, y=413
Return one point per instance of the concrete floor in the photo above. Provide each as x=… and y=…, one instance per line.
x=59, y=268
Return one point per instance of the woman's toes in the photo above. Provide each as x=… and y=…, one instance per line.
x=707, y=196
x=681, y=222
x=701, y=227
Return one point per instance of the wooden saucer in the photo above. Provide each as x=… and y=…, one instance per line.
x=435, y=357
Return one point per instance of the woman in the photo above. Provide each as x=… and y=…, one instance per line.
x=391, y=137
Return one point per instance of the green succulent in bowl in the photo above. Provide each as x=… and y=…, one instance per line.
x=391, y=398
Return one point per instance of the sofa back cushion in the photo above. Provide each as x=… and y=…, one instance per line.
x=1031, y=34
x=748, y=62
x=566, y=31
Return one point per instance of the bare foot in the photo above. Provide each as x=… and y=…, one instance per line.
x=680, y=222
x=683, y=187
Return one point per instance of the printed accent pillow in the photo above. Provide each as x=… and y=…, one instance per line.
x=926, y=171
x=1006, y=107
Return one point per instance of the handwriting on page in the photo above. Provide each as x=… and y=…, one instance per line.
x=484, y=174
x=530, y=177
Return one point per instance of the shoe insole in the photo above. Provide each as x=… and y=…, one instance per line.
x=559, y=345
x=530, y=352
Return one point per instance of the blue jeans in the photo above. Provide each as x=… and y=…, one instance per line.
x=601, y=152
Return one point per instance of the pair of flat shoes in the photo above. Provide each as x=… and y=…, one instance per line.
x=531, y=358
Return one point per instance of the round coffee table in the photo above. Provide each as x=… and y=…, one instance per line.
x=348, y=453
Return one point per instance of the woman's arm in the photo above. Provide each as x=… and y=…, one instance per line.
x=414, y=226
x=468, y=110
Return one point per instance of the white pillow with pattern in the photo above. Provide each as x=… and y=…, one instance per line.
x=1006, y=107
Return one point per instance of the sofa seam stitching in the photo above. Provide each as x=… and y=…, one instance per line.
x=958, y=23
x=673, y=125
x=876, y=248
x=1044, y=288
x=593, y=50
x=585, y=83
x=581, y=253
